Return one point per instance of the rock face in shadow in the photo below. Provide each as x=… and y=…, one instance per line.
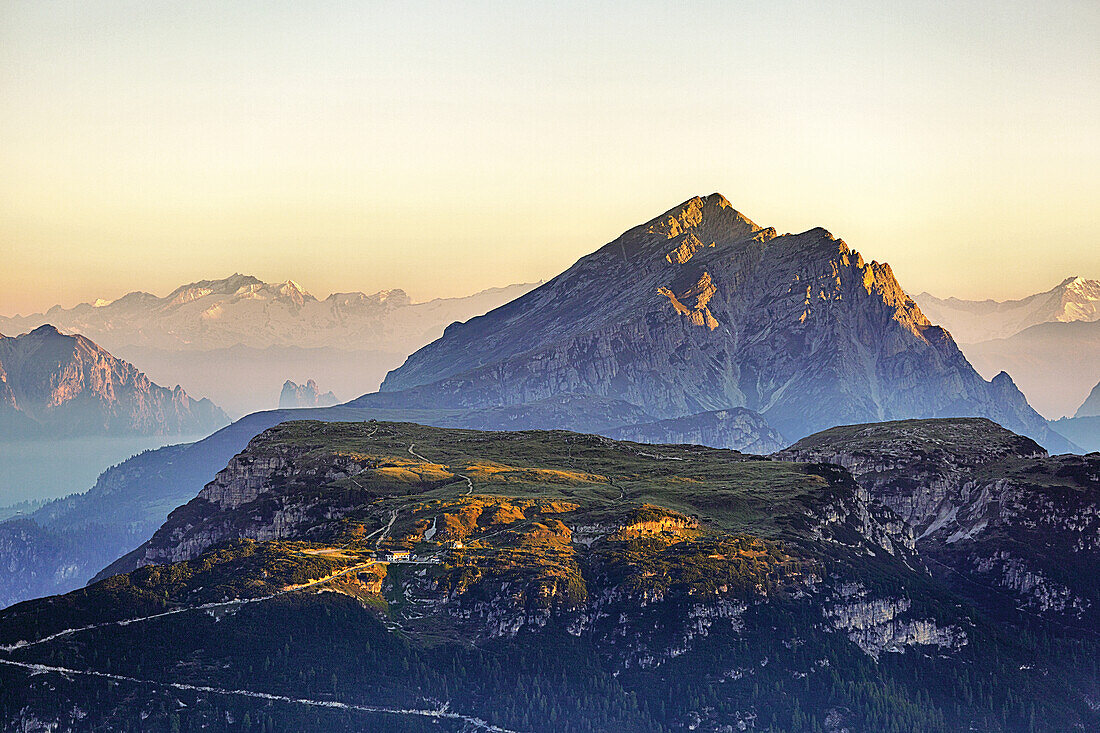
x=700, y=310
x=57, y=385
x=990, y=509
x=304, y=395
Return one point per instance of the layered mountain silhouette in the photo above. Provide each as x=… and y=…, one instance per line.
x=52, y=384
x=1055, y=364
x=1049, y=342
x=242, y=310
x=236, y=339
x=700, y=309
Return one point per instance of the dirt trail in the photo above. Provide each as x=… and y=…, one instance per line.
x=469, y=483
x=439, y=713
x=184, y=609
x=386, y=529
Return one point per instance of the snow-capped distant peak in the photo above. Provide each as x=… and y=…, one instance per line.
x=244, y=310
x=970, y=321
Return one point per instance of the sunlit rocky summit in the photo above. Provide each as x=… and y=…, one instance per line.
x=701, y=309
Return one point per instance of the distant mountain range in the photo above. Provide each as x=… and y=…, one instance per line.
x=700, y=309
x=242, y=310
x=238, y=339
x=970, y=321
x=1084, y=427
x=1055, y=364
x=1049, y=342
x=56, y=385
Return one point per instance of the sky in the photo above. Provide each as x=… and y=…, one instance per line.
x=448, y=147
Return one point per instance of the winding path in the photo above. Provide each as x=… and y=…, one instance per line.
x=469, y=483
x=440, y=713
x=185, y=609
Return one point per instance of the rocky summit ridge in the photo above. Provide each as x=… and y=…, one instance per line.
x=701, y=309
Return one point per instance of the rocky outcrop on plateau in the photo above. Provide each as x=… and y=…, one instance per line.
x=296, y=395
x=987, y=506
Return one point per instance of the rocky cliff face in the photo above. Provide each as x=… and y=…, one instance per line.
x=700, y=310
x=67, y=385
x=880, y=625
x=984, y=503
x=258, y=496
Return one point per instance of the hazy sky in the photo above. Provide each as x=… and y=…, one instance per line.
x=448, y=147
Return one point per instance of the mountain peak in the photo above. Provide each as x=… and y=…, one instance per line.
x=711, y=218
x=1091, y=406
x=1081, y=285
x=46, y=330
x=294, y=395
x=67, y=385
x=201, y=288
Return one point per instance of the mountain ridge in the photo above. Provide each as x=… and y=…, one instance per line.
x=1055, y=363
x=554, y=581
x=52, y=384
x=237, y=339
x=1091, y=406
x=701, y=309
x=202, y=314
